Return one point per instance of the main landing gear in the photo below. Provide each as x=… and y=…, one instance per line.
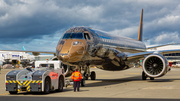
x=144, y=76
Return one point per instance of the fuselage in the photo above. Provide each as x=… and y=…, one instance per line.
x=77, y=45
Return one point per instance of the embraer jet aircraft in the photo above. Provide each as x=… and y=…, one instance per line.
x=85, y=47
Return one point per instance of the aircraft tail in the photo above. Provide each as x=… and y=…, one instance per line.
x=23, y=48
x=140, y=33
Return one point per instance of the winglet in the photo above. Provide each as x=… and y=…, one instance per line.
x=140, y=27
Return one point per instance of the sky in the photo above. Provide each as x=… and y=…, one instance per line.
x=39, y=24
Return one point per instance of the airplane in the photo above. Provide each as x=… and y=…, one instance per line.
x=86, y=47
x=16, y=58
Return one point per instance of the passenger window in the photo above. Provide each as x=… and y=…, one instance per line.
x=86, y=36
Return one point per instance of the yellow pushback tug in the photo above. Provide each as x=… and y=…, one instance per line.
x=46, y=76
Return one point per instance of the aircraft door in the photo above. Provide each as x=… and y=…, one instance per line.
x=89, y=39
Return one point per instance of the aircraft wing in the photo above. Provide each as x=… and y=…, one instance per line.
x=152, y=47
x=33, y=52
x=144, y=54
x=136, y=56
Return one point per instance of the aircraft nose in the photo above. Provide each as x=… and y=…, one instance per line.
x=71, y=51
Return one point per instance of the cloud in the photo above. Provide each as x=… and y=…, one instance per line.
x=167, y=37
x=33, y=19
x=168, y=23
x=127, y=32
x=38, y=23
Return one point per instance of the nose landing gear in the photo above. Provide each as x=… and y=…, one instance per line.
x=88, y=74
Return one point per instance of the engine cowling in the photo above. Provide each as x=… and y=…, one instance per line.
x=155, y=65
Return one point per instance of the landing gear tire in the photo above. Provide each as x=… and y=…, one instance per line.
x=144, y=76
x=151, y=78
x=13, y=92
x=93, y=75
x=86, y=77
x=60, y=85
x=47, y=87
x=82, y=83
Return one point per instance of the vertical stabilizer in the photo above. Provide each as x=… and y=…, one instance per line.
x=23, y=48
x=141, y=27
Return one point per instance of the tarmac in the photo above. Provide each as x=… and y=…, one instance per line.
x=109, y=85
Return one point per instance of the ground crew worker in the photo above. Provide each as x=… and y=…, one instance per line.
x=76, y=77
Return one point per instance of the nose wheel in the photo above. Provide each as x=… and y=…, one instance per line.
x=93, y=75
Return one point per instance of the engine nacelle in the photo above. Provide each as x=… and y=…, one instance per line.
x=155, y=65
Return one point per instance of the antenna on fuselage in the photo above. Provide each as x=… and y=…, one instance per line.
x=140, y=33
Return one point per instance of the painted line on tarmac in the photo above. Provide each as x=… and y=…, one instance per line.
x=4, y=94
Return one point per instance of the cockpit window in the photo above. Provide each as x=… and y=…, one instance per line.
x=77, y=36
x=73, y=36
x=66, y=36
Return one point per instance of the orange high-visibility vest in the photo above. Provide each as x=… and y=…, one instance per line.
x=76, y=76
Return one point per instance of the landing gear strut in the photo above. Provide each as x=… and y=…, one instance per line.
x=151, y=78
x=85, y=76
x=88, y=74
x=144, y=76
